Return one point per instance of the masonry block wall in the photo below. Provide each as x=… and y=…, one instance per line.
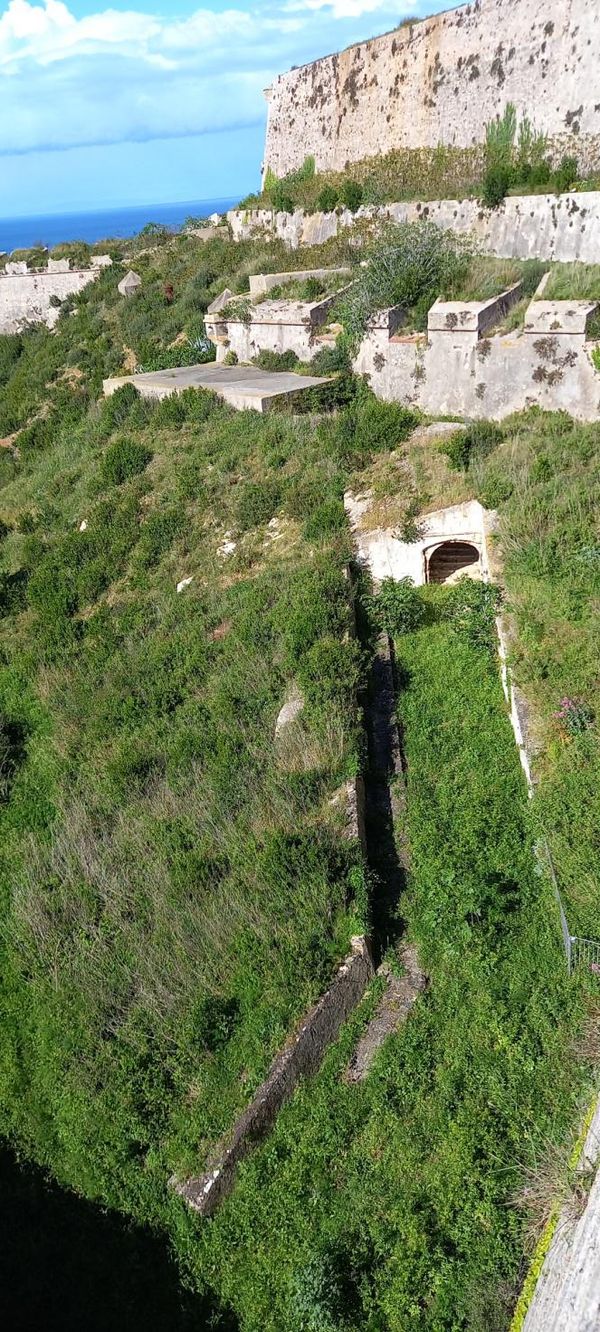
x=440, y=80
x=26, y=298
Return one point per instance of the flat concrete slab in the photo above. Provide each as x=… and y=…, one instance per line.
x=242, y=386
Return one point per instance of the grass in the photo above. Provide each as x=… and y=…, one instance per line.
x=388, y=1206
x=443, y=172
x=175, y=889
x=198, y=893
x=573, y=282
x=545, y=479
x=306, y=289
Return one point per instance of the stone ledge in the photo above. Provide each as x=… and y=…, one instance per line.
x=301, y=1057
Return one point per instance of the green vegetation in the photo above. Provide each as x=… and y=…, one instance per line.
x=521, y=162
x=546, y=480
x=177, y=885
x=573, y=282
x=407, y=265
x=511, y=160
x=385, y=1206
x=306, y=289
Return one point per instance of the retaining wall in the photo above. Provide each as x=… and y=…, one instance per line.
x=439, y=81
x=25, y=298
x=301, y=1058
x=563, y=227
x=277, y=326
x=451, y=372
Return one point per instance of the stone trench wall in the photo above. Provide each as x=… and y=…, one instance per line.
x=440, y=80
x=25, y=297
x=563, y=227
x=300, y=1058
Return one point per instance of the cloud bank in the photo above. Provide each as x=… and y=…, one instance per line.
x=125, y=75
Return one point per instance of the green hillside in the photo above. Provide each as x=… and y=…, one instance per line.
x=177, y=885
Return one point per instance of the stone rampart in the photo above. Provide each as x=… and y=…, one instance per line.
x=563, y=227
x=34, y=297
x=453, y=371
x=438, y=81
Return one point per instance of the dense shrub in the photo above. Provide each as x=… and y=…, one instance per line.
x=475, y=442
x=327, y=199
x=272, y=360
x=116, y=410
x=124, y=458
x=325, y=519
x=257, y=502
x=471, y=607
x=398, y=607
x=365, y=427
x=566, y=174
x=408, y=264
x=13, y=592
x=158, y=533
x=351, y=195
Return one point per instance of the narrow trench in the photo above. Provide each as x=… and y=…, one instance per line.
x=385, y=799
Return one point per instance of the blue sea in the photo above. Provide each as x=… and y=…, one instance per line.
x=18, y=233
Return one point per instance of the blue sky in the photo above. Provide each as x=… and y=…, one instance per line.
x=153, y=100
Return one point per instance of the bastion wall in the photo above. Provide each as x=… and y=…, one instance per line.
x=440, y=80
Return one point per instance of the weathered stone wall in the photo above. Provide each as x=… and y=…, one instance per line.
x=25, y=297
x=300, y=1058
x=277, y=326
x=455, y=371
x=563, y=227
x=440, y=80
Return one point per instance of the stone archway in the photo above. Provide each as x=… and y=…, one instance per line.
x=448, y=561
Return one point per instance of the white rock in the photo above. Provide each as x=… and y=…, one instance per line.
x=83, y=525
x=227, y=546
x=185, y=582
x=293, y=705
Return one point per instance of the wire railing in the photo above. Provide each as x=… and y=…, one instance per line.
x=579, y=952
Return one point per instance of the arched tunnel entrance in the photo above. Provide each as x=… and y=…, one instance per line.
x=451, y=559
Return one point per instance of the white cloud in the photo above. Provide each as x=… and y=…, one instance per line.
x=121, y=75
x=345, y=9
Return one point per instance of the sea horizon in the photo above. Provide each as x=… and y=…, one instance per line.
x=94, y=225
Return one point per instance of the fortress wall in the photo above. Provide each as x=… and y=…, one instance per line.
x=563, y=227
x=25, y=297
x=440, y=81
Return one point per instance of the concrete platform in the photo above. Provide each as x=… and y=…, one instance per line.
x=241, y=386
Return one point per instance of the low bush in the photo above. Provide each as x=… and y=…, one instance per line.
x=124, y=458
x=116, y=410
x=475, y=442
x=407, y=265
x=258, y=501
x=327, y=199
x=398, y=607
x=272, y=360
x=158, y=533
x=351, y=195
x=324, y=520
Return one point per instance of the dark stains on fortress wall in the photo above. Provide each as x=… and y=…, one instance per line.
x=440, y=80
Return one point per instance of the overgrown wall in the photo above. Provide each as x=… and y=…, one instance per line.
x=300, y=1058
x=452, y=373
x=562, y=227
x=440, y=80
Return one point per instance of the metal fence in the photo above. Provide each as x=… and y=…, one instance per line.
x=579, y=952
x=585, y=953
